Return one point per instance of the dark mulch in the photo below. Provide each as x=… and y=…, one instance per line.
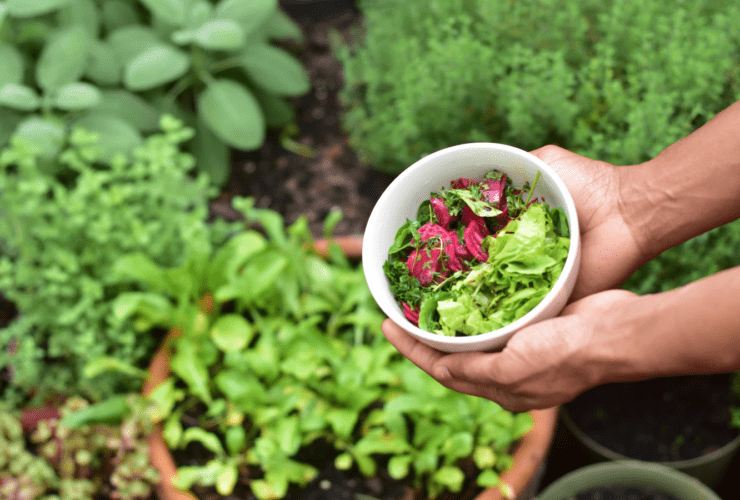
x=334, y=178
x=662, y=419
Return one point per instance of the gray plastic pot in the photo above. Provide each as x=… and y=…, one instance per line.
x=628, y=473
x=709, y=468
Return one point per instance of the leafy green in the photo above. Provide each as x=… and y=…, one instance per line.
x=524, y=262
x=59, y=238
x=282, y=350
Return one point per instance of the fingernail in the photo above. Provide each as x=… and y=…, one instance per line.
x=443, y=373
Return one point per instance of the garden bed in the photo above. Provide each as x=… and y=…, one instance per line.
x=334, y=178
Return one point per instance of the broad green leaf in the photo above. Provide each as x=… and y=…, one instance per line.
x=104, y=68
x=187, y=476
x=212, y=155
x=233, y=114
x=117, y=14
x=108, y=411
x=236, y=439
x=219, y=34
x=200, y=12
x=265, y=490
x=172, y=11
x=187, y=364
x=398, y=466
x=487, y=479
x=249, y=13
x=483, y=457
x=130, y=41
x=154, y=67
x=231, y=332
x=342, y=421
x=11, y=63
x=115, y=135
x=281, y=27
x=31, y=8
x=46, y=135
x=226, y=480
x=104, y=364
x=343, y=461
x=81, y=12
x=9, y=121
x=64, y=58
x=450, y=476
x=77, y=96
x=275, y=70
x=19, y=97
x=164, y=397
x=276, y=109
x=288, y=436
x=131, y=108
x=172, y=431
x=209, y=440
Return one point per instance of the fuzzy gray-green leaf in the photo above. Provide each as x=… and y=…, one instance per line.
x=275, y=70
x=76, y=96
x=131, y=108
x=31, y=8
x=19, y=97
x=104, y=67
x=63, y=59
x=249, y=13
x=115, y=135
x=219, y=34
x=172, y=11
x=46, y=135
x=130, y=41
x=154, y=67
x=11, y=63
x=212, y=155
x=233, y=114
x=81, y=12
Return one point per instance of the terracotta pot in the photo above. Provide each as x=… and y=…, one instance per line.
x=523, y=478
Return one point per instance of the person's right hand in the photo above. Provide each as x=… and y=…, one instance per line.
x=609, y=250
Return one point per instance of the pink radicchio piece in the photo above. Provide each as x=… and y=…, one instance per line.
x=495, y=195
x=449, y=243
x=411, y=314
x=442, y=212
x=463, y=183
x=424, y=265
x=474, y=234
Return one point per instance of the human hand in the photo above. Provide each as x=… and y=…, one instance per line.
x=609, y=250
x=543, y=365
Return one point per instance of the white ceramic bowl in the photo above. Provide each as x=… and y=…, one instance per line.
x=402, y=198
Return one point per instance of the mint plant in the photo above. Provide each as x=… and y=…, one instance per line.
x=275, y=348
x=113, y=66
x=612, y=80
x=60, y=235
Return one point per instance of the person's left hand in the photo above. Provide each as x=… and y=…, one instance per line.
x=543, y=365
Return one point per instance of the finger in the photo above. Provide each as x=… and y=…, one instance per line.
x=471, y=367
x=417, y=352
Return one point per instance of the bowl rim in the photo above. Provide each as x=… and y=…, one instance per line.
x=488, y=337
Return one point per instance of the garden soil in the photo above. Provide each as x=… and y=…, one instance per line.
x=333, y=178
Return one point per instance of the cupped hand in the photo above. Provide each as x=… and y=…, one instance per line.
x=543, y=365
x=609, y=251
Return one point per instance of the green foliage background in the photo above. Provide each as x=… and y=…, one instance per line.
x=59, y=236
x=614, y=80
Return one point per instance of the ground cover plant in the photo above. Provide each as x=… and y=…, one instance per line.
x=275, y=349
x=59, y=236
x=113, y=66
x=613, y=80
x=70, y=456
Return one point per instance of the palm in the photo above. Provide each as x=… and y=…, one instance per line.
x=609, y=250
